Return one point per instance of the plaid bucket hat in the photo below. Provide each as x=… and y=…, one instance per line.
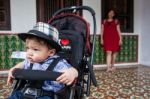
x=44, y=31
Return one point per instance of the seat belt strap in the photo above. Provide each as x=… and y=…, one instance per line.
x=54, y=63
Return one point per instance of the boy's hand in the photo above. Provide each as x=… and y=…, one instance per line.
x=10, y=77
x=68, y=76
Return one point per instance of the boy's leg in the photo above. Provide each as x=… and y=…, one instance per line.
x=16, y=95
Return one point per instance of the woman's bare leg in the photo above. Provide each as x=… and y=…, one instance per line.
x=114, y=55
x=108, y=60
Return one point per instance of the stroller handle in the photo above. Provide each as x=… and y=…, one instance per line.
x=75, y=8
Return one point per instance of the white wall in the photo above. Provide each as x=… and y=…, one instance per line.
x=23, y=15
x=137, y=23
x=96, y=6
x=145, y=33
x=137, y=16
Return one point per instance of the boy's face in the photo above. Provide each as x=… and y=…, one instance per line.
x=37, y=52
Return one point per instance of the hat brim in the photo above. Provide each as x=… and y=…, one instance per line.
x=39, y=34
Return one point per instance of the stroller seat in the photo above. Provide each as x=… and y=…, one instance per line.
x=76, y=49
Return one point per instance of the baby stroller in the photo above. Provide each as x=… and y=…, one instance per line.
x=77, y=49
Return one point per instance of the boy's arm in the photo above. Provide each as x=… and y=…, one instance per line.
x=68, y=76
x=10, y=77
x=19, y=65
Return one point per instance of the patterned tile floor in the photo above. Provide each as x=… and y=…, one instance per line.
x=125, y=83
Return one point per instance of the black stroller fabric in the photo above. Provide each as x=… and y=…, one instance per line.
x=73, y=52
x=74, y=23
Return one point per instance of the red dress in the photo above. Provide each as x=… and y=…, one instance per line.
x=111, y=36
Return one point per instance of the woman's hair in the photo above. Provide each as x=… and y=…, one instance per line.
x=115, y=13
x=40, y=41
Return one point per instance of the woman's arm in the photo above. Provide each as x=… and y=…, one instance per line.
x=102, y=30
x=119, y=32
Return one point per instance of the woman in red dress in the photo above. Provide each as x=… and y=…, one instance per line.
x=111, y=39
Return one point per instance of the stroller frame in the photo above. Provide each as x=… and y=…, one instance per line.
x=77, y=88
